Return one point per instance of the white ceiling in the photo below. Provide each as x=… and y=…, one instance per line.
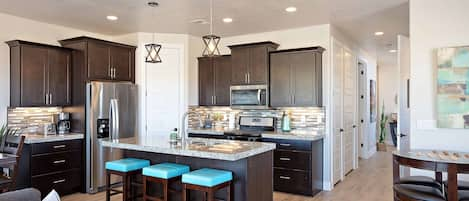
x=357, y=18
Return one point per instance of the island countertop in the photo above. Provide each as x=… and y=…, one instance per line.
x=311, y=135
x=227, y=150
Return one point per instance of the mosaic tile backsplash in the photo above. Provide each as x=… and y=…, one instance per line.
x=303, y=118
x=31, y=120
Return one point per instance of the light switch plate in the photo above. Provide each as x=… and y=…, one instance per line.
x=426, y=124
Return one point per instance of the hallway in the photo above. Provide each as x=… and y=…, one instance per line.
x=372, y=181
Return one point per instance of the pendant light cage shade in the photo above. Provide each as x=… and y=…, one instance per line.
x=211, y=45
x=153, y=53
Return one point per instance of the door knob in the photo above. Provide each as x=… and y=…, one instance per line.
x=402, y=135
x=341, y=130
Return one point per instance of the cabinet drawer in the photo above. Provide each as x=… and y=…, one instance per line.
x=64, y=183
x=48, y=163
x=299, y=145
x=292, y=160
x=292, y=181
x=60, y=146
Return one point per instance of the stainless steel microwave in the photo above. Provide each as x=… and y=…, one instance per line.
x=249, y=97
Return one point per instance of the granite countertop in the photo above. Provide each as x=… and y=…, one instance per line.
x=438, y=156
x=227, y=150
x=311, y=135
x=41, y=138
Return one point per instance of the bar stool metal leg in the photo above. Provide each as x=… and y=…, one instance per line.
x=108, y=186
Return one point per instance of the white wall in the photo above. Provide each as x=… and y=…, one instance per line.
x=29, y=30
x=449, y=27
x=388, y=88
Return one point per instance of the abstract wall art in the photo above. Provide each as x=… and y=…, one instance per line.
x=453, y=87
x=373, y=101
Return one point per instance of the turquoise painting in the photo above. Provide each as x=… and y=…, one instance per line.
x=453, y=87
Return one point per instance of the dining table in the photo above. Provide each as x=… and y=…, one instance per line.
x=438, y=161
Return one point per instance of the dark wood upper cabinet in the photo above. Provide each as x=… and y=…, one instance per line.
x=102, y=60
x=296, y=77
x=39, y=75
x=214, y=81
x=250, y=63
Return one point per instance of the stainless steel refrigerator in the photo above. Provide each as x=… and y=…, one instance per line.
x=111, y=113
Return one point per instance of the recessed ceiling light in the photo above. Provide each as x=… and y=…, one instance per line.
x=393, y=51
x=290, y=9
x=112, y=17
x=227, y=20
x=379, y=33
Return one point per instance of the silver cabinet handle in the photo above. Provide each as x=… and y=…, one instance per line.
x=293, y=97
x=59, y=181
x=285, y=145
x=245, y=78
x=249, y=77
x=59, y=161
x=214, y=99
x=50, y=98
x=59, y=146
x=285, y=159
x=47, y=99
x=283, y=177
x=114, y=76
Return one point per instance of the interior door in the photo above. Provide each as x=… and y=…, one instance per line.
x=258, y=65
x=337, y=87
x=59, y=77
x=206, y=82
x=305, y=85
x=280, y=80
x=164, y=96
x=222, y=73
x=99, y=61
x=121, y=62
x=403, y=122
x=33, y=76
x=240, y=61
x=349, y=109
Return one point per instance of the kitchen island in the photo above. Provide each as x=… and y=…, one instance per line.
x=250, y=162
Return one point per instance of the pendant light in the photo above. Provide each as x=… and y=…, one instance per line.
x=153, y=49
x=211, y=41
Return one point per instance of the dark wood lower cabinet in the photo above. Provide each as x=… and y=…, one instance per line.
x=52, y=165
x=298, y=166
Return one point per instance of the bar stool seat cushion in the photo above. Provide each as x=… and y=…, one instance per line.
x=420, y=180
x=165, y=170
x=127, y=164
x=419, y=192
x=207, y=177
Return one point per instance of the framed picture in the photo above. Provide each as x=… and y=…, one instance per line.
x=373, y=101
x=453, y=87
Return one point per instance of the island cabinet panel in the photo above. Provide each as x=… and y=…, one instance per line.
x=214, y=81
x=52, y=165
x=252, y=176
x=251, y=63
x=296, y=77
x=40, y=75
x=298, y=166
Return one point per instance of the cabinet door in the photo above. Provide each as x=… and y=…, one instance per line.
x=33, y=76
x=222, y=72
x=258, y=65
x=98, y=61
x=240, y=62
x=280, y=89
x=59, y=77
x=121, y=63
x=305, y=87
x=206, y=83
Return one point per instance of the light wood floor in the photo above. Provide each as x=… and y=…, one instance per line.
x=372, y=181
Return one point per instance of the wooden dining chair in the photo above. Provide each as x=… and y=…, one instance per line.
x=11, y=145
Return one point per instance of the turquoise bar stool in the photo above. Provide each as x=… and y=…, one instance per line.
x=208, y=181
x=164, y=173
x=126, y=168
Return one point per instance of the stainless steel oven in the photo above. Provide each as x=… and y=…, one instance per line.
x=249, y=97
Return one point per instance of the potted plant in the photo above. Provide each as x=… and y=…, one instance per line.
x=382, y=131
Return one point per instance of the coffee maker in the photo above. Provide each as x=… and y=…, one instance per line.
x=63, y=123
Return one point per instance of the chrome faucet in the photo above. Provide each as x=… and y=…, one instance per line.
x=183, y=124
